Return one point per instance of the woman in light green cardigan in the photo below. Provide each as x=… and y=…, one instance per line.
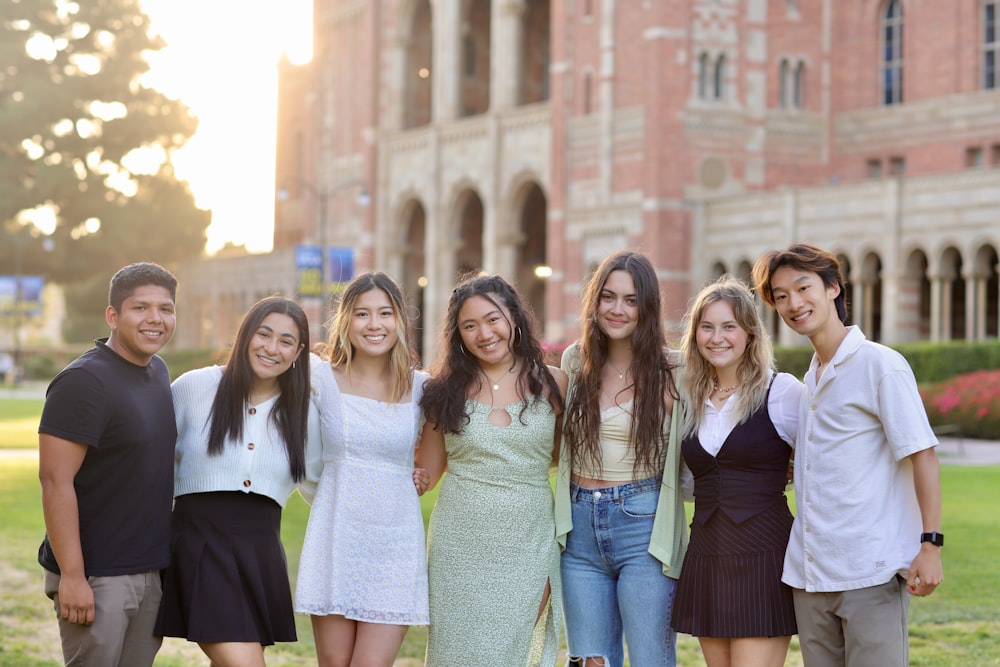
x=619, y=515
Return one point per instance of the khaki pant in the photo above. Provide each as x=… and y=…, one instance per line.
x=860, y=628
x=122, y=632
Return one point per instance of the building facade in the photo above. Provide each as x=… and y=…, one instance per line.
x=531, y=138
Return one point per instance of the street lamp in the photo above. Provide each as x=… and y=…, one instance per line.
x=322, y=197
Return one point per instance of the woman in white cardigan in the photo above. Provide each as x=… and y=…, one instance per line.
x=241, y=433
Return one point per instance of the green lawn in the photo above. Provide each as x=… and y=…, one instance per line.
x=955, y=626
x=19, y=422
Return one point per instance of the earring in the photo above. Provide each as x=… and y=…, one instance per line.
x=462, y=348
x=293, y=364
x=517, y=336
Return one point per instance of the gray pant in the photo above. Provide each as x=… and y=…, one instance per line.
x=125, y=609
x=866, y=627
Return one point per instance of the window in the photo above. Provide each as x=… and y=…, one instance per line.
x=991, y=45
x=974, y=157
x=588, y=93
x=719, y=79
x=703, y=76
x=783, y=83
x=797, y=85
x=892, y=53
x=897, y=166
x=469, y=56
x=995, y=154
x=874, y=168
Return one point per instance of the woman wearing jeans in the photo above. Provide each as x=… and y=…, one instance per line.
x=618, y=510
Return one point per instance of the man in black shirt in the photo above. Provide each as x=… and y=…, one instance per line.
x=106, y=445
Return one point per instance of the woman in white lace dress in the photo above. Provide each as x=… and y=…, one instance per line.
x=362, y=572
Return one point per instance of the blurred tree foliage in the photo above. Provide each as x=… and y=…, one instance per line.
x=74, y=119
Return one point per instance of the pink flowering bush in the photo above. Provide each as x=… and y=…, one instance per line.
x=553, y=352
x=970, y=401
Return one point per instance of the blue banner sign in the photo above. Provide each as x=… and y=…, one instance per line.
x=308, y=269
x=21, y=294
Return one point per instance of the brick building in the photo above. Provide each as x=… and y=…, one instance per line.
x=531, y=138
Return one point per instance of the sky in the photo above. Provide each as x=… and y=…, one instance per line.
x=221, y=60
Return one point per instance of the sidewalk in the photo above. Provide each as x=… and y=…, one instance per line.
x=965, y=451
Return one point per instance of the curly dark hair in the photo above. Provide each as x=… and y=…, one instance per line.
x=457, y=375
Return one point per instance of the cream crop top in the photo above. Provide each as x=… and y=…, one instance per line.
x=617, y=456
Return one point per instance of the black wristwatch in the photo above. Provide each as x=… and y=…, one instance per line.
x=937, y=539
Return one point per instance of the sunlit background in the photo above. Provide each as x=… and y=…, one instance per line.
x=221, y=60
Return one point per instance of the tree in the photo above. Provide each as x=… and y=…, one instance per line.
x=75, y=123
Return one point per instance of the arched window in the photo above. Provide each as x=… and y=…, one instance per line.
x=783, y=83
x=991, y=45
x=703, y=76
x=719, y=79
x=892, y=53
x=798, y=85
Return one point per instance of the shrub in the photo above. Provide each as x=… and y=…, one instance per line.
x=970, y=401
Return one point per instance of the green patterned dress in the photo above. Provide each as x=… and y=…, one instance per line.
x=492, y=547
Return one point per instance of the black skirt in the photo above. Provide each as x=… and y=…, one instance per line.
x=730, y=584
x=228, y=577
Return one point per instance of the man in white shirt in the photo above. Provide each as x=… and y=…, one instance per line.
x=867, y=483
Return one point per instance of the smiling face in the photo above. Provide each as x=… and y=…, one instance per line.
x=720, y=339
x=802, y=300
x=373, y=328
x=274, y=346
x=485, y=330
x=617, y=309
x=143, y=325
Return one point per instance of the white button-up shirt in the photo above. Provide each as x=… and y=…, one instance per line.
x=857, y=523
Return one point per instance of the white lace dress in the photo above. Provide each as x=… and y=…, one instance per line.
x=364, y=553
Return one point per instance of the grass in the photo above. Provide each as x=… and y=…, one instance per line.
x=19, y=420
x=955, y=626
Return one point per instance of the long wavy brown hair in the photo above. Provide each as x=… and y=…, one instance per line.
x=651, y=370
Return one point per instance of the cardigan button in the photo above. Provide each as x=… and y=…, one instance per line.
x=253, y=411
x=250, y=446
x=246, y=483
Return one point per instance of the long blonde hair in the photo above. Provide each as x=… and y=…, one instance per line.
x=754, y=372
x=338, y=350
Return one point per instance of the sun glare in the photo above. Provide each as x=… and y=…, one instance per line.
x=221, y=60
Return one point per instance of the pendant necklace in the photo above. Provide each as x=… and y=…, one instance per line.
x=620, y=374
x=495, y=384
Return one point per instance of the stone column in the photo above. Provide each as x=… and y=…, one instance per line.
x=447, y=40
x=506, y=52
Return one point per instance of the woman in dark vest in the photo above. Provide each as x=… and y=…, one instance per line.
x=740, y=424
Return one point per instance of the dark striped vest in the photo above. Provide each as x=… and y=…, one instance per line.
x=748, y=475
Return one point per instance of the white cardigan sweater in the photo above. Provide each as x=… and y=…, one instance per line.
x=256, y=464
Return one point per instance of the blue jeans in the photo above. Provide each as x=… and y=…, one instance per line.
x=611, y=584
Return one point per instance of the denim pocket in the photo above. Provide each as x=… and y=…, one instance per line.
x=640, y=505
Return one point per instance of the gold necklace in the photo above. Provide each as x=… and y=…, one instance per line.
x=495, y=384
x=723, y=390
x=620, y=374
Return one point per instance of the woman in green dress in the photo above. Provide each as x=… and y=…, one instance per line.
x=493, y=411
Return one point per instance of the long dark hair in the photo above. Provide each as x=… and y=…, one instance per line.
x=458, y=374
x=651, y=371
x=290, y=413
